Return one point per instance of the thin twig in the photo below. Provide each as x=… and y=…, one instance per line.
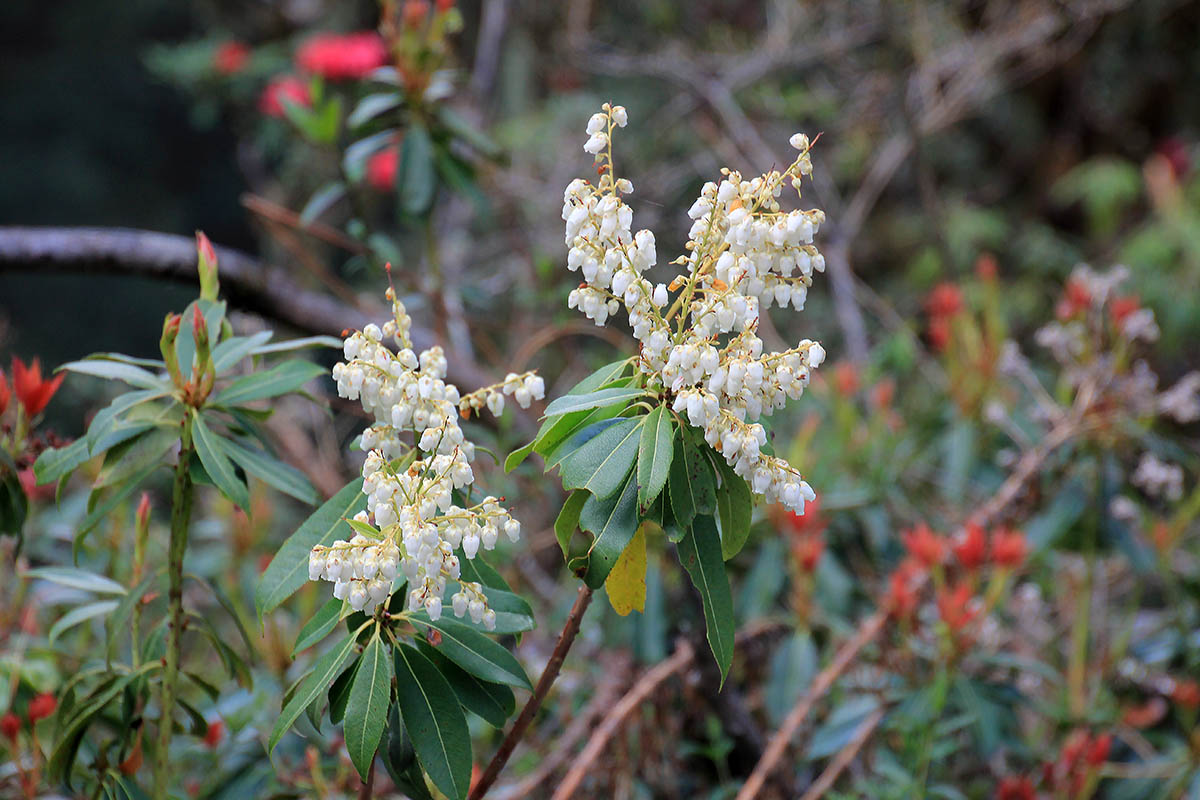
x=365, y=792
x=273, y=212
x=844, y=757
x=549, y=674
x=604, y=731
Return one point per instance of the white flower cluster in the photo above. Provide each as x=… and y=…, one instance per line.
x=1158, y=478
x=745, y=253
x=411, y=489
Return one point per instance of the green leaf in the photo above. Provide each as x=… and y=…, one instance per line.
x=60, y=461
x=117, y=623
x=515, y=458
x=80, y=614
x=317, y=628
x=280, y=379
x=692, y=488
x=144, y=451
x=597, y=421
x=491, y=702
x=216, y=463
x=734, y=509
x=416, y=180
x=107, y=418
x=513, y=614
x=302, y=343
x=597, y=399
x=185, y=345
x=339, y=697
x=700, y=554
x=626, y=583
x=366, y=712
x=322, y=200
x=229, y=352
x=568, y=519
x=435, y=722
x=468, y=133
x=372, y=106
x=118, y=371
x=77, y=579
x=326, y=668
x=271, y=471
x=100, y=512
x=288, y=570
x=654, y=454
x=612, y=523
x=600, y=466
x=476, y=653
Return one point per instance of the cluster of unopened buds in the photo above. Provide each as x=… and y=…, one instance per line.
x=698, y=334
x=410, y=487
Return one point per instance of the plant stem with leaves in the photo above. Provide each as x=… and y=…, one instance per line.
x=181, y=514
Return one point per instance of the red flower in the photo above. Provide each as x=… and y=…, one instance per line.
x=281, y=88
x=33, y=392
x=381, y=169
x=1015, y=788
x=902, y=596
x=41, y=707
x=1076, y=298
x=10, y=726
x=231, y=57
x=953, y=607
x=971, y=548
x=810, y=522
x=337, y=56
x=5, y=393
x=945, y=300
x=1098, y=749
x=1122, y=307
x=924, y=545
x=1187, y=694
x=1008, y=547
x=1175, y=151
x=845, y=378
x=808, y=551
x=415, y=12
x=939, y=333
x=216, y=731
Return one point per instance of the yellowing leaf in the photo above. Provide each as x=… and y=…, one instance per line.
x=626, y=583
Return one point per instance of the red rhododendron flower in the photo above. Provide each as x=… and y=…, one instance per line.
x=953, y=607
x=1008, y=547
x=381, y=169
x=284, y=87
x=5, y=393
x=924, y=545
x=1015, y=788
x=945, y=300
x=41, y=707
x=10, y=726
x=902, y=595
x=216, y=731
x=33, y=392
x=971, y=548
x=337, y=56
x=231, y=57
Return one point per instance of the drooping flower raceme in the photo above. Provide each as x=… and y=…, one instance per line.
x=698, y=334
x=417, y=459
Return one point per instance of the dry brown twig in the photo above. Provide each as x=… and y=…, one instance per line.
x=845, y=756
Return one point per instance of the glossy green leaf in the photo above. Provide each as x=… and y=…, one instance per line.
x=601, y=465
x=735, y=507
x=655, y=451
x=210, y=448
x=117, y=371
x=416, y=180
x=326, y=668
x=322, y=622
x=108, y=418
x=435, y=722
x=492, y=702
x=79, y=614
x=568, y=519
x=597, y=399
x=366, y=711
x=303, y=343
x=77, y=579
x=272, y=471
x=321, y=201
x=288, y=570
x=280, y=379
x=372, y=106
x=700, y=554
x=612, y=523
x=59, y=462
x=231, y=351
x=146, y=450
x=476, y=653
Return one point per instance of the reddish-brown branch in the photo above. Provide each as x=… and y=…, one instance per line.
x=549, y=674
x=844, y=757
